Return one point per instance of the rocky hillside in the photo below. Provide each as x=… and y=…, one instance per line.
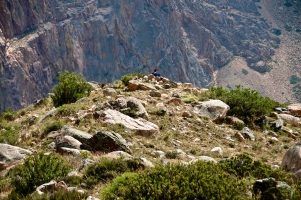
x=153, y=121
x=189, y=41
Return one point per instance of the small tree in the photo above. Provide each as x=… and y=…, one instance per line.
x=71, y=87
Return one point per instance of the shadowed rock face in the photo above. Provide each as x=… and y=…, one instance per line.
x=188, y=40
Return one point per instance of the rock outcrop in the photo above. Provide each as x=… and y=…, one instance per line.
x=187, y=40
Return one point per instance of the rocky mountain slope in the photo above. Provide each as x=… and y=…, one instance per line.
x=190, y=41
x=154, y=122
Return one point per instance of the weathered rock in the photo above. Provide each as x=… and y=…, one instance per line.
x=292, y=158
x=215, y=110
x=289, y=119
x=203, y=158
x=233, y=120
x=217, y=150
x=247, y=133
x=109, y=92
x=50, y=113
x=155, y=93
x=138, y=126
x=136, y=106
x=107, y=142
x=295, y=109
x=137, y=85
x=10, y=155
x=72, y=141
x=186, y=114
x=77, y=134
x=117, y=154
x=277, y=124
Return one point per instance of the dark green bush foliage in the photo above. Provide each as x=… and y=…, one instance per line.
x=277, y=31
x=9, y=115
x=294, y=79
x=71, y=87
x=9, y=135
x=126, y=78
x=298, y=30
x=202, y=180
x=57, y=195
x=109, y=169
x=243, y=165
x=288, y=4
x=246, y=104
x=288, y=28
x=297, y=92
x=37, y=170
x=245, y=72
x=54, y=126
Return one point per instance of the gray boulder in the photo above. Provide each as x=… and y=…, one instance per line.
x=77, y=134
x=215, y=110
x=138, y=126
x=247, y=133
x=10, y=155
x=291, y=160
x=107, y=142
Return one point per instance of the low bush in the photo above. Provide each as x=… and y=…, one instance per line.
x=71, y=87
x=54, y=126
x=106, y=170
x=37, y=170
x=294, y=79
x=202, y=180
x=126, y=78
x=9, y=115
x=9, y=134
x=245, y=103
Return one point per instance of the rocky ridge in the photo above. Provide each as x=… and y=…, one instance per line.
x=173, y=129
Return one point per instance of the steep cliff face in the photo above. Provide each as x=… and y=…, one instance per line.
x=187, y=40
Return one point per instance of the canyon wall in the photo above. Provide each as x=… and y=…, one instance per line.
x=188, y=40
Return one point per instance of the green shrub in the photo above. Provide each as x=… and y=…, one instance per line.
x=288, y=28
x=277, y=31
x=243, y=165
x=67, y=109
x=294, y=79
x=71, y=87
x=54, y=126
x=9, y=135
x=126, y=78
x=109, y=169
x=288, y=4
x=202, y=180
x=37, y=170
x=9, y=115
x=57, y=195
x=246, y=104
x=245, y=72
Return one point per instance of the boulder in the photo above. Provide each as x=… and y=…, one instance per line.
x=292, y=158
x=137, y=85
x=277, y=124
x=117, y=154
x=247, y=133
x=50, y=113
x=289, y=119
x=215, y=110
x=106, y=141
x=138, y=126
x=109, y=92
x=295, y=109
x=155, y=93
x=77, y=134
x=10, y=155
x=203, y=158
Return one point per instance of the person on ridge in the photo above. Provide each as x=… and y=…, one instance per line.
x=156, y=72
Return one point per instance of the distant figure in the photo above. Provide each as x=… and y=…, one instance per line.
x=156, y=72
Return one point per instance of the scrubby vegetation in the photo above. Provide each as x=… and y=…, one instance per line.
x=71, y=87
x=126, y=78
x=245, y=103
x=37, y=170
